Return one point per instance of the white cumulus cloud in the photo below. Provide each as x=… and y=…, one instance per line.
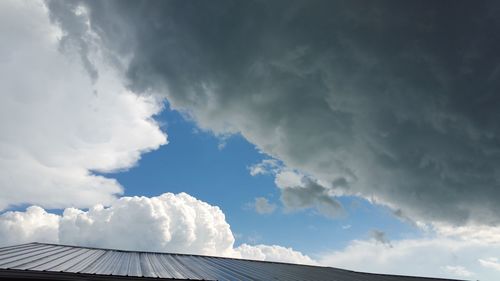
x=273, y=253
x=172, y=223
x=168, y=223
x=62, y=118
x=33, y=225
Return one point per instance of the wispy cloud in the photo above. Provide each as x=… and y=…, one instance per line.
x=263, y=206
x=458, y=270
x=492, y=262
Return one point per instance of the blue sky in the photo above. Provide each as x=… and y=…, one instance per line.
x=193, y=162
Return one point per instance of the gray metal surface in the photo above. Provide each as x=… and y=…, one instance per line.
x=82, y=261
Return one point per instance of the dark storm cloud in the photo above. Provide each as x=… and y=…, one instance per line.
x=397, y=100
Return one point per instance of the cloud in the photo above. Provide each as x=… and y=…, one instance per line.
x=266, y=166
x=262, y=206
x=274, y=253
x=491, y=262
x=380, y=237
x=458, y=271
x=59, y=123
x=471, y=232
x=300, y=192
x=167, y=223
x=373, y=97
x=436, y=256
x=33, y=225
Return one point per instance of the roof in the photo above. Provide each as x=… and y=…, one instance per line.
x=62, y=262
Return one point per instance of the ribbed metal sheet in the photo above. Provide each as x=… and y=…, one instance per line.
x=39, y=257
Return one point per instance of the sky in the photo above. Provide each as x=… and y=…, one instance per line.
x=355, y=134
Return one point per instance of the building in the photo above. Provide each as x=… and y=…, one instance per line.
x=40, y=261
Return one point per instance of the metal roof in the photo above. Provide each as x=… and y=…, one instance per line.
x=35, y=260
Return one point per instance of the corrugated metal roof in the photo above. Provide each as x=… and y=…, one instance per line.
x=82, y=261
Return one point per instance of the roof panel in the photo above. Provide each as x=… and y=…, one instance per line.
x=42, y=258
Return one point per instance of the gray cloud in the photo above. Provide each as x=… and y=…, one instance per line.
x=397, y=102
x=262, y=206
x=380, y=237
x=310, y=194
